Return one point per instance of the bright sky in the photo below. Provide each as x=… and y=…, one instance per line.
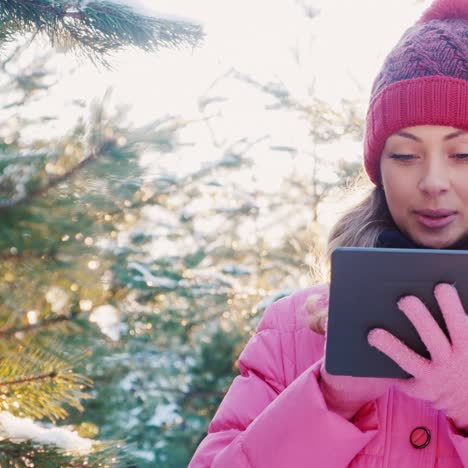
x=340, y=52
x=341, y=49
x=351, y=39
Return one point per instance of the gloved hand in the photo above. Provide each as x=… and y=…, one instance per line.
x=442, y=380
x=344, y=395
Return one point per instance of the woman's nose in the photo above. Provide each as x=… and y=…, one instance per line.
x=435, y=178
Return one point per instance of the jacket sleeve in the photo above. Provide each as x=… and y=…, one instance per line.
x=262, y=422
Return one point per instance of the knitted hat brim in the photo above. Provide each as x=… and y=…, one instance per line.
x=430, y=100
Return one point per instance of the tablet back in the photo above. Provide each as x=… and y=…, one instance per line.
x=366, y=284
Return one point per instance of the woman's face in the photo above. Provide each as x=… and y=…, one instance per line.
x=425, y=178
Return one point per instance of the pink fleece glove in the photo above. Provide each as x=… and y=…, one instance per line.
x=344, y=395
x=442, y=380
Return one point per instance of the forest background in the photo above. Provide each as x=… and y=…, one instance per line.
x=152, y=204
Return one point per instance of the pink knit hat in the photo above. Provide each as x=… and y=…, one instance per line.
x=424, y=80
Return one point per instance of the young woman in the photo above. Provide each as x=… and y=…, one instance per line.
x=285, y=410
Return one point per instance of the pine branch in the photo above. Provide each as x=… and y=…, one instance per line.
x=38, y=382
x=94, y=28
x=22, y=256
x=27, y=453
x=33, y=378
x=100, y=145
x=35, y=326
x=51, y=183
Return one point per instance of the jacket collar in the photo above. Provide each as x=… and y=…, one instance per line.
x=393, y=238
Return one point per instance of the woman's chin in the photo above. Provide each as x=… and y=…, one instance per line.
x=434, y=241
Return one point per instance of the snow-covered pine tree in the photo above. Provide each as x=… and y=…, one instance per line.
x=175, y=269
x=52, y=216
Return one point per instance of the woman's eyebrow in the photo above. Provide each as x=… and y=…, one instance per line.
x=450, y=136
x=454, y=135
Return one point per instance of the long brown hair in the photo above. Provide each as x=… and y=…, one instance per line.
x=359, y=226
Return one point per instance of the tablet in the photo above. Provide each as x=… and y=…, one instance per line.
x=365, y=286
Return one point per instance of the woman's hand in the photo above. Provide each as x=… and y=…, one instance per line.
x=443, y=379
x=344, y=395
x=317, y=308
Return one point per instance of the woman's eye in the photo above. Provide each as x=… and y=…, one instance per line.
x=461, y=156
x=402, y=157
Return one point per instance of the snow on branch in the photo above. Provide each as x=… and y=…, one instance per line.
x=19, y=430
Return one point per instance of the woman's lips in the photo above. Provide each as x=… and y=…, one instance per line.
x=435, y=222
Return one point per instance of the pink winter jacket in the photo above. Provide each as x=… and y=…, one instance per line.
x=274, y=414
